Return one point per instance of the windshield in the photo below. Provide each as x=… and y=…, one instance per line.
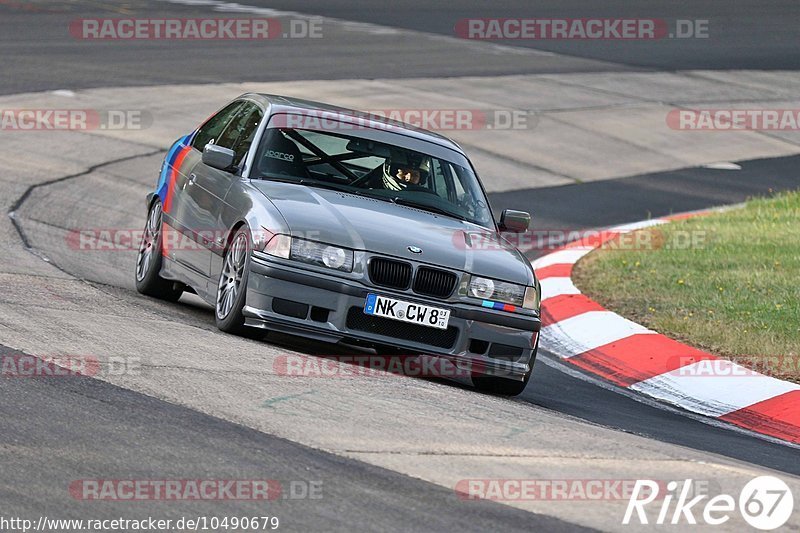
x=367, y=167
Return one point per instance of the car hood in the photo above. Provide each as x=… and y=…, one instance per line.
x=382, y=227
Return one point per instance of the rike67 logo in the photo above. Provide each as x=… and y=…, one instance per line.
x=765, y=503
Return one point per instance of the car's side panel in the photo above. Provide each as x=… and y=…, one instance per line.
x=182, y=254
x=182, y=217
x=203, y=198
x=172, y=182
x=172, y=178
x=244, y=204
x=193, y=195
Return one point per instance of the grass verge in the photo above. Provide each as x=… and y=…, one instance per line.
x=728, y=283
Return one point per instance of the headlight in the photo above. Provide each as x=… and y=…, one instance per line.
x=481, y=288
x=531, y=298
x=502, y=291
x=313, y=253
x=320, y=254
x=279, y=246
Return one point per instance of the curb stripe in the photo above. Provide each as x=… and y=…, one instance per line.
x=589, y=331
x=552, y=287
x=624, y=228
x=713, y=395
x=684, y=216
x=777, y=417
x=561, y=256
x=594, y=241
x=581, y=331
x=560, y=270
x=566, y=306
x=638, y=358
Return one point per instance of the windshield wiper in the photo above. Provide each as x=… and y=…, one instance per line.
x=426, y=207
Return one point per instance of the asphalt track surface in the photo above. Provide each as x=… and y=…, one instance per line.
x=746, y=34
x=116, y=429
x=157, y=440
x=38, y=52
x=623, y=200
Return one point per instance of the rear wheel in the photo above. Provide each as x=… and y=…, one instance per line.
x=149, y=259
x=504, y=386
x=232, y=286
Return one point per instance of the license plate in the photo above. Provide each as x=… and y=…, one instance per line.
x=424, y=315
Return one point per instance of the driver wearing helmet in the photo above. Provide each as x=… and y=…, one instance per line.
x=403, y=177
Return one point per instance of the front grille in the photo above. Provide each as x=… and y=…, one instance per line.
x=360, y=321
x=388, y=273
x=433, y=282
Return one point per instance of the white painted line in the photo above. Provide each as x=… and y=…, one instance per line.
x=588, y=331
x=557, y=286
x=713, y=389
x=639, y=225
x=234, y=7
x=725, y=165
x=570, y=255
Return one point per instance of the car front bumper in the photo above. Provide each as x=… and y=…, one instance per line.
x=330, y=309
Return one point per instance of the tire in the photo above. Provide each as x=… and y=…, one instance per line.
x=503, y=386
x=232, y=284
x=149, y=259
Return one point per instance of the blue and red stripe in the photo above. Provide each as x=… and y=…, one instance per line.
x=497, y=305
x=169, y=171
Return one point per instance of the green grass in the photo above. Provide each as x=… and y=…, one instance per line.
x=735, y=292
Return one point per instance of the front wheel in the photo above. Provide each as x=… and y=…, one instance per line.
x=232, y=286
x=149, y=259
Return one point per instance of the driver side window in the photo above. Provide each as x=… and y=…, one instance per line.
x=210, y=131
x=239, y=134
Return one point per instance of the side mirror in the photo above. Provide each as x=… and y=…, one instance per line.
x=516, y=221
x=218, y=157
